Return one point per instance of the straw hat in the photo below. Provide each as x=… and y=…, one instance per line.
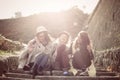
x=41, y=29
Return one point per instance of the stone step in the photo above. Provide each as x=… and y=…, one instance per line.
x=106, y=74
x=77, y=78
x=101, y=70
x=64, y=78
x=60, y=73
x=22, y=75
x=56, y=73
x=18, y=75
x=47, y=73
x=12, y=78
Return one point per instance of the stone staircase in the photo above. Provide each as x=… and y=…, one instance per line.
x=100, y=75
x=13, y=74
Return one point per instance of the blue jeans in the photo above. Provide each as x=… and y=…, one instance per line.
x=40, y=62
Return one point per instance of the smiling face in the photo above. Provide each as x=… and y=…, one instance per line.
x=63, y=39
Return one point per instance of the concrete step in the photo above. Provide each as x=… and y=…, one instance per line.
x=60, y=73
x=56, y=73
x=47, y=73
x=101, y=70
x=106, y=74
x=18, y=75
x=64, y=78
x=29, y=76
x=12, y=78
x=77, y=78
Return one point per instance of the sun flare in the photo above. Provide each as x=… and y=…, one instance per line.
x=29, y=7
x=38, y=6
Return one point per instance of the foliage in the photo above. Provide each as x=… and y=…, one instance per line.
x=9, y=45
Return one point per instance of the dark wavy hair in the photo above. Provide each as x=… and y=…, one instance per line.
x=84, y=37
x=85, y=40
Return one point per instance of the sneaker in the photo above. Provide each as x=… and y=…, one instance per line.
x=66, y=73
x=26, y=68
x=85, y=73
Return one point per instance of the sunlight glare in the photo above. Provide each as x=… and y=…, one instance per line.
x=30, y=7
x=38, y=6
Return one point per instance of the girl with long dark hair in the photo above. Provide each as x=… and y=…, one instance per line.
x=82, y=51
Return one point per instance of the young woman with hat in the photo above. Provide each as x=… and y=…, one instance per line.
x=38, y=51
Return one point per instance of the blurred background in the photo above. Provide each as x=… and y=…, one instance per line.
x=19, y=18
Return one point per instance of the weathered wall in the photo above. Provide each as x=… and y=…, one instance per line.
x=104, y=25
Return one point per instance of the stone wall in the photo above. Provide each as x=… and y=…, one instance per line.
x=104, y=25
